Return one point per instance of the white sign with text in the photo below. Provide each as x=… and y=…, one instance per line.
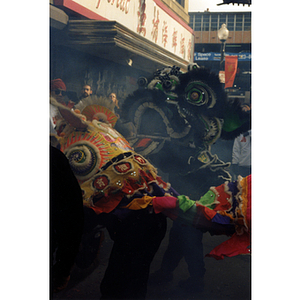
x=150, y=19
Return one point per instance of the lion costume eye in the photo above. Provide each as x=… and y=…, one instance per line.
x=195, y=96
x=197, y=93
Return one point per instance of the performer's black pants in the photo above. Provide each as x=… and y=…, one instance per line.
x=184, y=241
x=136, y=240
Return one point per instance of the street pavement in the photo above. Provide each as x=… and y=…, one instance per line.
x=227, y=279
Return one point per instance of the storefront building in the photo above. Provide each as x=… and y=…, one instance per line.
x=207, y=45
x=108, y=44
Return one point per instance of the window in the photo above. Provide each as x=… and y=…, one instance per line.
x=230, y=23
x=247, y=22
x=222, y=20
x=181, y=2
x=192, y=20
x=214, y=23
x=197, y=26
x=198, y=18
x=195, y=21
x=205, y=23
x=239, y=23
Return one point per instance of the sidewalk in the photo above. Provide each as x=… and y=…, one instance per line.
x=227, y=279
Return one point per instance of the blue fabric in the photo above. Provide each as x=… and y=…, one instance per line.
x=221, y=219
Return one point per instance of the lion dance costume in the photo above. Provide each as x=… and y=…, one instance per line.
x=123, y=186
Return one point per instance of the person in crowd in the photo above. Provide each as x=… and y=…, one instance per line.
x=66, y=219
x=127, y=129
x=92, y=234
x=88, y=98
x=241, y=155
x=241, y=151
x=184, y=242
x=137, y=234
x=115, y=101
x=86, y=91
x=58, y=91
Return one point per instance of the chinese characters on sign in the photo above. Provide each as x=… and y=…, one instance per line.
x=155, y=22
x=151, y=19
x=141, y=17
x=165, y=33
x=141, y=29
x=174, y=39
x=182, y=48
x=189, y=49
x=123, y=5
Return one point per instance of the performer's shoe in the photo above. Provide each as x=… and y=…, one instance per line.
x=60, y=283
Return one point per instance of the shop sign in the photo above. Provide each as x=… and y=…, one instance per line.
x=214, y=56
x=151, y=19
